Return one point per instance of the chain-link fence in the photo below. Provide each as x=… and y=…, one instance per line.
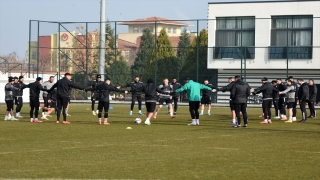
x=198, y=49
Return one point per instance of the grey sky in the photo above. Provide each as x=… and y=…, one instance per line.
x=15, y=15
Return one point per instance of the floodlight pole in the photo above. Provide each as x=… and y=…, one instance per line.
x=101, y=69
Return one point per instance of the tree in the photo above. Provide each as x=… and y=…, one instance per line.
x=144, y=54
x=183, y=49
x=116, y=67
x=190, y=68
x=164, y=60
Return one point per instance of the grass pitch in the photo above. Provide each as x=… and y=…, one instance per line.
x=167, y=149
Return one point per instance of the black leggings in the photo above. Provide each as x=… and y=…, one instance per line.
x=282, y=105
x=92, y=105
x=45, y=104
x=133, y=100
x=243, y=108
x=266, y=105
x=294, y=109
x=175, y=101
x=303, y=109
x=276, y=106
x=34, y=104
x=19, y=102
x=103, y=105
x=62, y=102
x=194, y=109
x=311, y=107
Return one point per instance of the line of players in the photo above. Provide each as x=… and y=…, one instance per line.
x=281, y=94
x=100, y=92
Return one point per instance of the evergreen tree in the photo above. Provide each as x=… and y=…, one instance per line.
x=183, y=49
x=190, y=67
x=144, y=55
x=116, y=67
x=164, y=60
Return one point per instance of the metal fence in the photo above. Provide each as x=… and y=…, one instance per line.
x=59, y=47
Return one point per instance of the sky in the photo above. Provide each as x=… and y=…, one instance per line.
x=15, y=16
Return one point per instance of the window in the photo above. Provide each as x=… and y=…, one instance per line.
x=135, y=29
x=169, y=29
x=174, y=30
x=291, y=37
x=235, y=38
x=34, y=55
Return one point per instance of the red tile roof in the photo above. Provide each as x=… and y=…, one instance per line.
x=152, y=20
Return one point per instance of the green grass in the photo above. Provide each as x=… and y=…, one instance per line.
x=168, y=149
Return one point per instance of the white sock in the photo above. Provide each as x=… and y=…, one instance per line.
x=130, y=111
x=139, y=111
x=197, y=121
x=93, y=111
x=194, y=121
x=266, y=120
x=171, y=114
x=290, y=118
x=36, y=119
x=208, y=111
x=6, y=117
x=148, y=119
x=99, y=119
x=234, y=120
x=9, y=115
x=294, y=118
x=201, y=111
x=105, y=119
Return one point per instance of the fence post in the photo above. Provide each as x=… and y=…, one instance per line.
x=198, y=39
x=155, y=52
x=38, y=42
x=87, y=56
x=29, y=68
x=58, y=53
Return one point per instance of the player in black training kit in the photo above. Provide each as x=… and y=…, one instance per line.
x=94, y=93
x=136, y=85
x=282, y=100
x=18, y=96
x=35, y=89
x=64, y=86
x=303, y=96
x=206, y=97
x=275, y=98
x=312, y=98
x=104, y=89
x=175, y=85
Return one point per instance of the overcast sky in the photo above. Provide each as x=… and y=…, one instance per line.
x=15, y=16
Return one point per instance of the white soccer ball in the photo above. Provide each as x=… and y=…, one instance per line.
x=137, y=121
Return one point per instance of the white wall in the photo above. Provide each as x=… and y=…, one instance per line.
x=262, y=33
x=4, y=81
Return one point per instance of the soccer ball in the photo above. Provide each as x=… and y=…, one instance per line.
x=137, y=121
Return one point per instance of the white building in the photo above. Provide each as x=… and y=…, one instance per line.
x=264, y=35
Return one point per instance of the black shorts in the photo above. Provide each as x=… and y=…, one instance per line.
x=231, y=104
x=206, y=100
x=9, y=105
x=167, y=101
x=52, y=104
x=290, y=105
x=95, y=96
x=151, y=106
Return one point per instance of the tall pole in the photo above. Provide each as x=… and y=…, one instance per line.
x=102, y=38
x=38, y=42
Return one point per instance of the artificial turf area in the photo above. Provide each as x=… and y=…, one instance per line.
x=167, y=149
